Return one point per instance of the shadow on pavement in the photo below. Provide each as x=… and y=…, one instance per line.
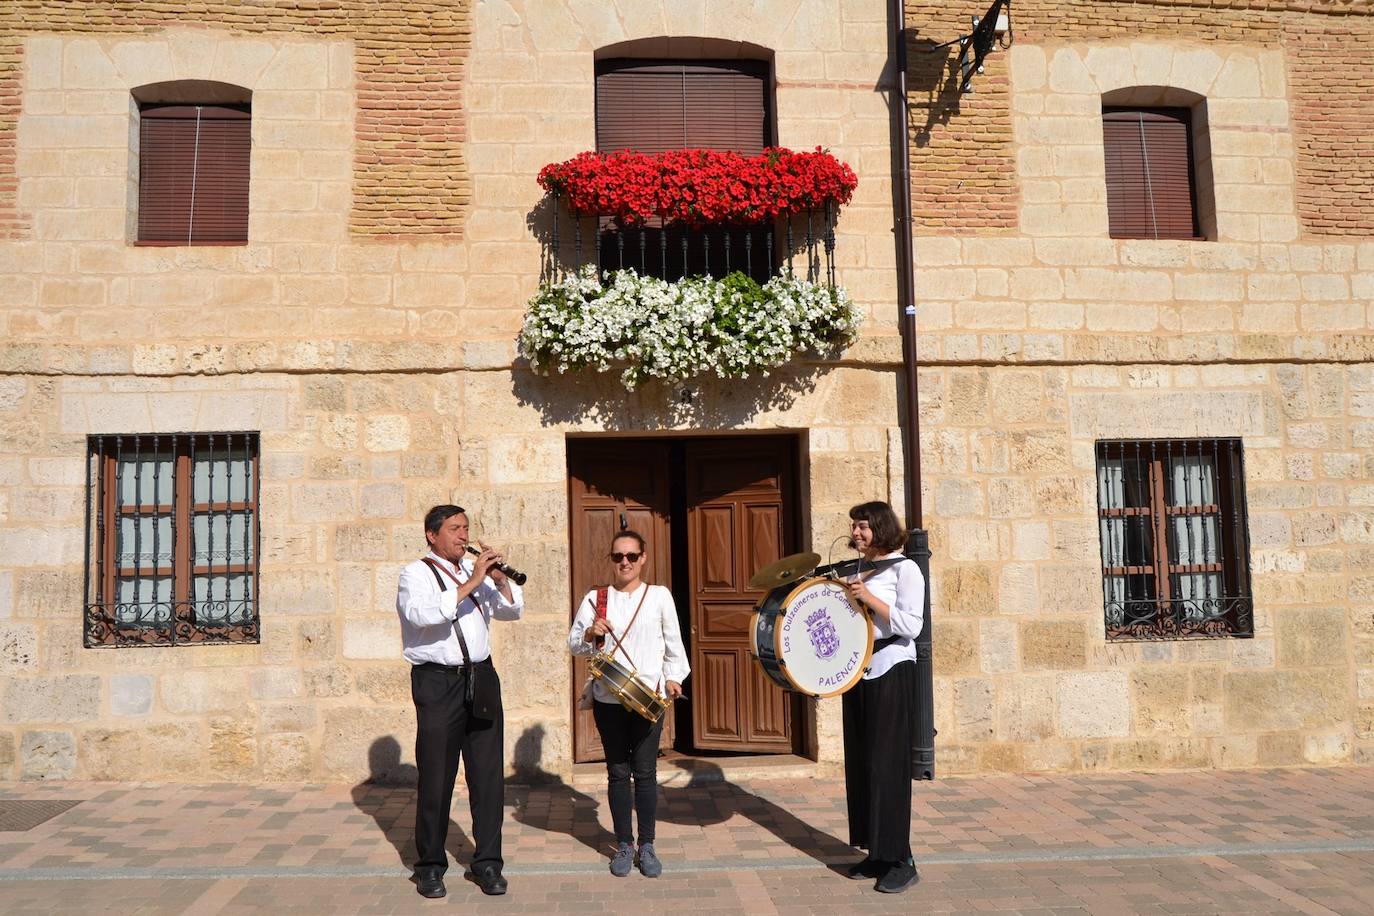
x=543, y=800
x=710, y=798
x=388, y=797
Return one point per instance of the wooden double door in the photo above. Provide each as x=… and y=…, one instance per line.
x=712, y=511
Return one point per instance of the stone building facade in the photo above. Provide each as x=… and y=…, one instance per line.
x=366, y=332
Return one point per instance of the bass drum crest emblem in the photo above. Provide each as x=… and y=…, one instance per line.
x=824, y=639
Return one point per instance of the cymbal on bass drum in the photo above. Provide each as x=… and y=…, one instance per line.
x=788, y=569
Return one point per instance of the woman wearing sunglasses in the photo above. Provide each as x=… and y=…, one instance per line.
x=635, y=623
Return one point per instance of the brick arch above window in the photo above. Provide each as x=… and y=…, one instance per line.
x=191, y=92
x=1153, y=97
x=677, y=47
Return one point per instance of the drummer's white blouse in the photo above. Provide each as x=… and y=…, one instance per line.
x=903, y=589
x=654, y=643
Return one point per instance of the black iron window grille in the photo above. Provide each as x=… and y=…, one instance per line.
x=803, y=243
x=1175, y=546
x=172, y=537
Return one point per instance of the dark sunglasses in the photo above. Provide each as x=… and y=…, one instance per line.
x=633, y=557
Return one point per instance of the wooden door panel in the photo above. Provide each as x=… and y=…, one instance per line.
x=725, y=619
x=605, y=481
x=741, y=516
x=764, y=535
x=739, y=474
x=770, y=720
x=717, y=695
x=717, y=534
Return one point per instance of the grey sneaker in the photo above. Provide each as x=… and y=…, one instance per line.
x=649, y=865
x=623, y=860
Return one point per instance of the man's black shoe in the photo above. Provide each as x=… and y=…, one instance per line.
x=865, y=869
x=430, y=885
x=491, y=882
x=898, y=878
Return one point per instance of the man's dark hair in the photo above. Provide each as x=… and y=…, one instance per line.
x=627, y=533
x=435, y=518
x=882, y=521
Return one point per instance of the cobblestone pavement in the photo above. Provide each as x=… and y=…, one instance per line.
x=1278, y=841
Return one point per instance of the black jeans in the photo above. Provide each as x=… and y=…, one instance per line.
x=631, y=743
x=445, y=731
x=877, y=762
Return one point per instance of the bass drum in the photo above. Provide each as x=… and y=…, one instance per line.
x=810, y=637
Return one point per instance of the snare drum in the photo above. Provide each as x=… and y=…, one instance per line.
x=624, y=684
x=811, y=638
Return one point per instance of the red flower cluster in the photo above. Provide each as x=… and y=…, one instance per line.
x=697, y=187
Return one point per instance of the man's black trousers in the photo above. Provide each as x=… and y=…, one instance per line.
x=446, y=730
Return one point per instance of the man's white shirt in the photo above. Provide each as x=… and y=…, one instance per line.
x=429, y=616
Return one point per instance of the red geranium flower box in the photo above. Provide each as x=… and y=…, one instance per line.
x=698, y=187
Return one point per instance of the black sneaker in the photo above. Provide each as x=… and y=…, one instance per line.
x=865, y=869
x=897, y=879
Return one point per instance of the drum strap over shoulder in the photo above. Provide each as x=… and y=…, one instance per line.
x=881, y=644
x=602, y=596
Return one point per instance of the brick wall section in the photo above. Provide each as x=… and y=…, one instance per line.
x=12, y=222
x=411, y=178
x=963, y=165
x=1331, y=77
x=962, y=158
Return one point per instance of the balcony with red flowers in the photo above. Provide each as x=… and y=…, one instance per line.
x=697, y=212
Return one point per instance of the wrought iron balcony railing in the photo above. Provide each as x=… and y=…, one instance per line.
x=803, y=244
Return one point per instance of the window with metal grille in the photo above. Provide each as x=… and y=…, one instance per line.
x=193, y=163
x=1175, y=548
x=1151, y=188
x=172, y=539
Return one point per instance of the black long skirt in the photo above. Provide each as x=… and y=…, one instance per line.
x=877, y=762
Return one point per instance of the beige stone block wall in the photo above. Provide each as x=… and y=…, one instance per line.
x=1019, y=638
x=340, y=516
x=381, y=378
x=379, y=375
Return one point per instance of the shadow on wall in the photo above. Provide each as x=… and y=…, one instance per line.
x=388, y=797
x=587, y=396
x=931, y=71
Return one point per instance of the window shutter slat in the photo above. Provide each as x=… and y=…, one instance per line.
x=656, y=106
x=194, y=189
x=1149, y=173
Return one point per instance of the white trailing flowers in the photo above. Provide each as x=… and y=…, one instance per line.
x=680, y=329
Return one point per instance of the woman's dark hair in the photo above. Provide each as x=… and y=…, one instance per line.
x=627, y=533
x=888, y=534
x=435, y=518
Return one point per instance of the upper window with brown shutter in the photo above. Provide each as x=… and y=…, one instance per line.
x=193, y=174
x=1151, y=187
x=657, y=105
